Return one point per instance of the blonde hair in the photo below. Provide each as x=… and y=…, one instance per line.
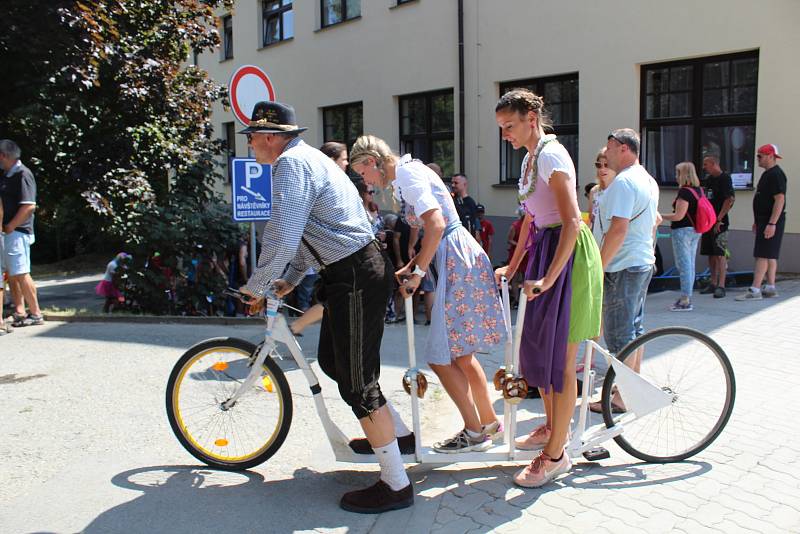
x=687, y=174
x=370, y=145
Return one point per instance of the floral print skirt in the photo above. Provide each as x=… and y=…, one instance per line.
x=467, y=316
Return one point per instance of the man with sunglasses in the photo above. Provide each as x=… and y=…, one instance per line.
x=318, y=220
x=628, y=216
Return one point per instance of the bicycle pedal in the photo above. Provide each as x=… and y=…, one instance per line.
x=597, y=453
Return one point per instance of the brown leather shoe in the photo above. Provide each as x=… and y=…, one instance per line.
x=377, y=499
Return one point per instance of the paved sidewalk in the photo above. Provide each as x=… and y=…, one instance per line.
x=87, y=447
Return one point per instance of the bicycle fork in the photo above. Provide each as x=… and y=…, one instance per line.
x=255, y=367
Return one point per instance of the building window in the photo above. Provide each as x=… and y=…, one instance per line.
x=560, y=95
x=427, y=128
x=343, y=124
x=278, y=21
x=696, y=107
x=227, y=37
x=230, y=148
x=336, y=11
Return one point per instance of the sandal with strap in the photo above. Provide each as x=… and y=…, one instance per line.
x=14, y=317
x=597, y=407
x=30, y=320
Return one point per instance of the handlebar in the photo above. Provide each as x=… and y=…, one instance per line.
x=270, y=298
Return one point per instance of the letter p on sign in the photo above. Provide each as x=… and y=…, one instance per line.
x=252, y=170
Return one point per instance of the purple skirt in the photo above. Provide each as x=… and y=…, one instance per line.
x=543, y=349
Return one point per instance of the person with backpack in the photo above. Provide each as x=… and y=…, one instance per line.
x=692, y=215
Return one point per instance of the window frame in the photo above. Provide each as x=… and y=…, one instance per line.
x=345, y=18
x=429, y=136
x=511, y=174
x=277, y=14
x=227, y=38
x=697, y=121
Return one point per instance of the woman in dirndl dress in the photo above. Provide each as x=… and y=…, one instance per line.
x=466, y=316
x=563, y=279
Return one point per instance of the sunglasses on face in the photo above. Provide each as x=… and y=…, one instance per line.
x=250, y=137
x=370, y=192
x=599, y=164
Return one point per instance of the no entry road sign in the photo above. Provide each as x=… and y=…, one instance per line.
x=252, y=190
x=249, y=85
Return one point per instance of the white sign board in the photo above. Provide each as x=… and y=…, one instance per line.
x=249, y=85
x=742, y=180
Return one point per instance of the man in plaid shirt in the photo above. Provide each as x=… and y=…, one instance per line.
x=318, y=220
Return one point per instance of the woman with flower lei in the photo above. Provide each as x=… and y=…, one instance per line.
x=464, y=294
x=563, y=279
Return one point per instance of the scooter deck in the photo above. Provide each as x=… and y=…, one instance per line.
x=496, y=453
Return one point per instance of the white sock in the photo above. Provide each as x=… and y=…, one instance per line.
x=769, y=287
x=393, y=473
x=400, y=428
x=755, y=290
x=473, y=435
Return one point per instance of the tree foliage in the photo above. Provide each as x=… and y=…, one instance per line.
x=114, y=123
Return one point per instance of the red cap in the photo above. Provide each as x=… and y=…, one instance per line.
x=770, y=150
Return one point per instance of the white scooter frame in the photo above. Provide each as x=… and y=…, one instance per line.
x=640, y=396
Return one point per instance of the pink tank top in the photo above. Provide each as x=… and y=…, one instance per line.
x=541, y=204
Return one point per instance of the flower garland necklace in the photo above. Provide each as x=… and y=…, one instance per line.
x=526, y=190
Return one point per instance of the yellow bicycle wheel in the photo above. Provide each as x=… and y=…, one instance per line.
x=237, y=437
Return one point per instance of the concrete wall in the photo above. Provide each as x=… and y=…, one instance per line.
x=392, y=51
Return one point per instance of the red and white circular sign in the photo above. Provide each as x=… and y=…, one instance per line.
x=249, y=85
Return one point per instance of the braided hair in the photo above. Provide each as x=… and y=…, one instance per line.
x=522, y=101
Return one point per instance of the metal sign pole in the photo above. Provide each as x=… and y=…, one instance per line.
x=252, y=247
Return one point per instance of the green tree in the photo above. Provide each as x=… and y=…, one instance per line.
x=115, y=124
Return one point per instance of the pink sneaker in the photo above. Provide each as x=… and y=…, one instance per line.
x=542, y=470
x=536, y=440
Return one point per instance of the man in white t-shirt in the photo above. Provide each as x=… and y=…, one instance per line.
x=628, y=216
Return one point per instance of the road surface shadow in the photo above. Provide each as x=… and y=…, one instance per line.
x=180, y=499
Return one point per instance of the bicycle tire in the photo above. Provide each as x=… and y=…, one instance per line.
x=177, y=379
x=662, y=335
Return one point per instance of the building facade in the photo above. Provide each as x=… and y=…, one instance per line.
x=692, y=78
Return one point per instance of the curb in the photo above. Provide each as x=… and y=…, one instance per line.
x=153, y=319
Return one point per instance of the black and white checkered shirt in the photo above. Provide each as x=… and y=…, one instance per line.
x=312, y=198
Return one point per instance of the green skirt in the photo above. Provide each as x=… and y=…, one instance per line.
x=586, y=305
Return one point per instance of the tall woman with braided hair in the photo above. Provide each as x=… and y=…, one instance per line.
x=466, y=316
x=563, y=279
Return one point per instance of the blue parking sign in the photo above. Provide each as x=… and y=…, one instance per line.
x=252, y=190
